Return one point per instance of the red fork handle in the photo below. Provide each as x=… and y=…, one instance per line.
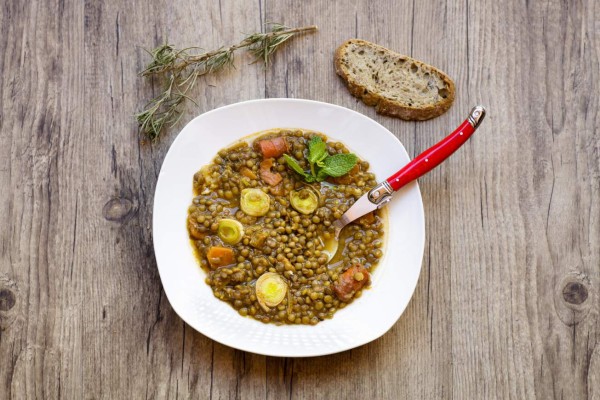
x=436, y=154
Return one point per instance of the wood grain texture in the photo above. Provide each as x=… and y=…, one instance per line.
x=508, y=302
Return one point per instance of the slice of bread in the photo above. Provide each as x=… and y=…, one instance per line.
x=397, y=85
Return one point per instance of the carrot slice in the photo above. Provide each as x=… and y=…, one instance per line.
x=248, y=173
x=273, y=147
x=350, y=282
x=218, y=256
x=269, y=177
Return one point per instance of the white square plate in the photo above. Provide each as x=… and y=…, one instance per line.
x=393, y=280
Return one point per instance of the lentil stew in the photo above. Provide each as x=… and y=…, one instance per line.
x=260, y=231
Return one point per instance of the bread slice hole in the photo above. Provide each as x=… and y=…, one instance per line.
x=443, y=92
x=413, y=68
x=361, y=52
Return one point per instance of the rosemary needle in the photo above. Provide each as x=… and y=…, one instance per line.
x=181, y=68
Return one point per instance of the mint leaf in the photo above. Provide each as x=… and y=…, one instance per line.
x=317, y=150
x=321, y=175
x=338, y=164
x=293, y=164
x=322, y=165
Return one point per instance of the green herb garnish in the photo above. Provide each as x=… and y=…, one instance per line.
x=322, y=165
x=179, y=69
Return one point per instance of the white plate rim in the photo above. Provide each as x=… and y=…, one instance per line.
x=241, y=346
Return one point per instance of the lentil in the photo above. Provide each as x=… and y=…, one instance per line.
x=283, y=241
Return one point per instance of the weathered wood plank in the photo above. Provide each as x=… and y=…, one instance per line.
x=173, y=360
x=408, y=347
x=41, y=89
x=564, y=231
x=509, y=297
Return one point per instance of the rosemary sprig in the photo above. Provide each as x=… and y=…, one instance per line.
x=180, y=70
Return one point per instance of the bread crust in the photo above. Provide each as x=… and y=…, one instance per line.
x=387, y=106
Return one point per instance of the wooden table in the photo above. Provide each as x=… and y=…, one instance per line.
x=508, y=301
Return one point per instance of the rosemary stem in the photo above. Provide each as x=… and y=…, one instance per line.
x=244, y=43
x=181, y=69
